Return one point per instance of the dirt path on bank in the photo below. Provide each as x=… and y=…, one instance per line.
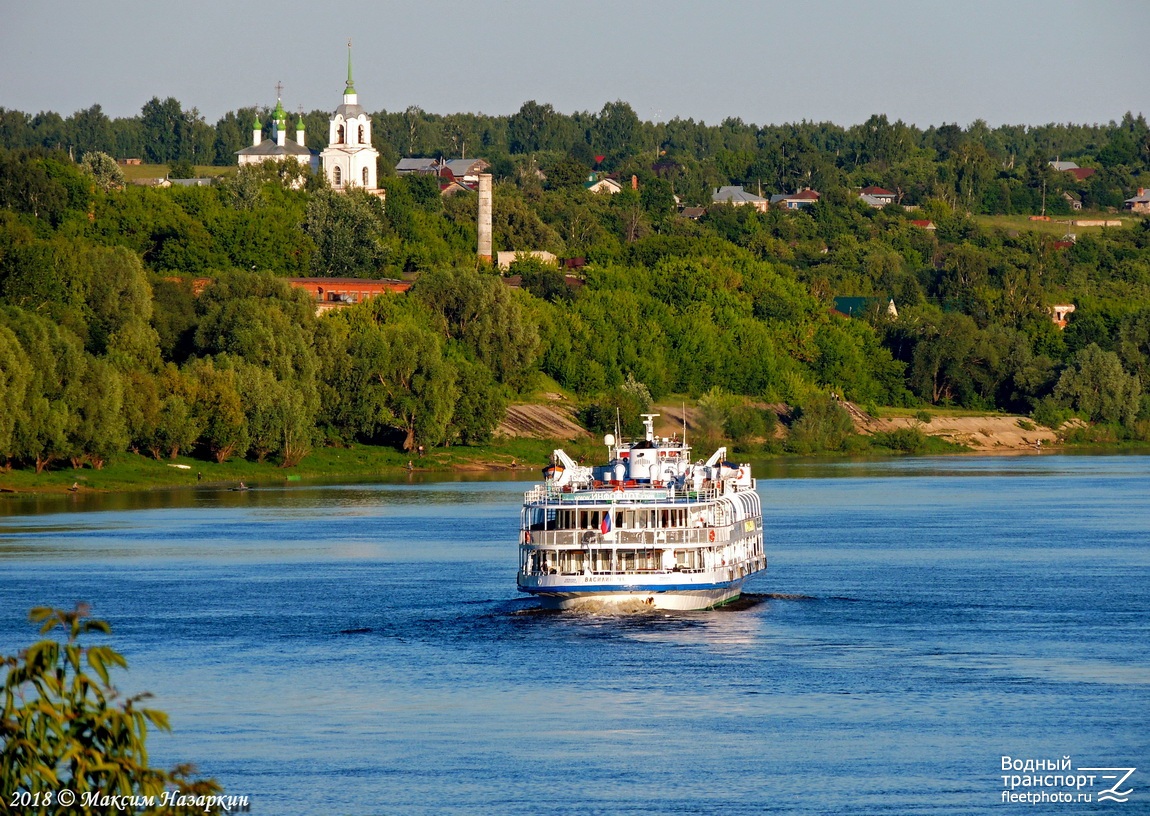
x=554, y=421
x=986, y=434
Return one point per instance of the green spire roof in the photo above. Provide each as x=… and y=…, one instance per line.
x=350, y=89
x=280, y=114
x=299, y=123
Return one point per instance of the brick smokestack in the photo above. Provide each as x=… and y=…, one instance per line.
x=485, y=217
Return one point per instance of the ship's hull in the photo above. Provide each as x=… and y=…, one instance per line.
x=637, y=594
x=686, y=600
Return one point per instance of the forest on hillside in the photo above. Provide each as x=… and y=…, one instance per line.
x=107, y=345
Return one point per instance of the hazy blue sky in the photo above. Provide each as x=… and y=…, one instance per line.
x=765, y=61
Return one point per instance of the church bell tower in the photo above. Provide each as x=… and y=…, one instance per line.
x=349, y=159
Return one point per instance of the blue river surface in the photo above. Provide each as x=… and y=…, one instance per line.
x=362, y=649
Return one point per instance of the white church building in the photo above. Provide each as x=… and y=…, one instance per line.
x=279, y=147
x=349, y=160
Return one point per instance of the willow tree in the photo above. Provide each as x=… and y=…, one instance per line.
x=405, y=383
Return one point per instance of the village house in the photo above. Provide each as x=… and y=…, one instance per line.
x=876, y=197
x=417, y=167
x=1139, y=203
x=795, y=201
x=461, y=172
x=465, y=171
x=1061, y=314
x=454, y=187
x=862, y=306
x=504, y=259
x=605, y=184
x=1079, y=173
x=736, y=196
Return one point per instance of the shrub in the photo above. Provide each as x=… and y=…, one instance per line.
x=626, y=403
x=821, y=425
x=904, y=440
x=745, y=423
x=1049, y=413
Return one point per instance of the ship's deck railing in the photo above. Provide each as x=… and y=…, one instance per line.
x=607, y=494
x=629, y=571
x=745, y=566
x=650, y=538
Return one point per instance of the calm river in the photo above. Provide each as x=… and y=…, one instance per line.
x=362, y=649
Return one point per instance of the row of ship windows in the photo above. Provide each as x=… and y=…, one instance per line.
x=641, y=519
x=573, y=562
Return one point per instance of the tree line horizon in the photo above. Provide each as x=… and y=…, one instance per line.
x=694, y=157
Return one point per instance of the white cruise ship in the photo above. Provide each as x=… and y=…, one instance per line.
x=650, y=528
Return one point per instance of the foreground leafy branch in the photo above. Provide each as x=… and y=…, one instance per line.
x=64, y=726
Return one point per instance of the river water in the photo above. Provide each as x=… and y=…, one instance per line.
x=362, y=649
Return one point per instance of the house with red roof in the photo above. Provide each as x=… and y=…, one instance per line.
x=1079, y=173
x=795, y=201
x=876, y=197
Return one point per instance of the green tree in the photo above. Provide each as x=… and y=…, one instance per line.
x=944, y=346
x=406, y=384
x=280, y=418
x=1134, y=344
x=163, y=122
x=616, y=130
x=44, y=184
x=485, y=316
x=104, y=170
x=116, y=295
x=15, y=374
x=480, y=405
x=45, y=418
x=532, y=128
x=97, y=430
x=347, y=229
x=564, y=172
x=1097, y=386
x=179, y=422
x=218, y=409
x=63, y=725
x=746, y=423
x=233, y=132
